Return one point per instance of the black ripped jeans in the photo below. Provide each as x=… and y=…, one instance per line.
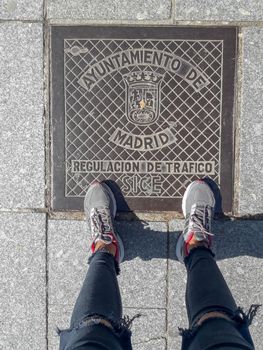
x=206, y=291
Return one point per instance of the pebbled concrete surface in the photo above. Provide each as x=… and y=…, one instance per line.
x=21, y=9
x=251, y=133
x=222, y=10
x=110, y=10
x=22, y=180
x=23, y=281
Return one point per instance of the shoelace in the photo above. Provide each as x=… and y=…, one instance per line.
x=200, y=220
x=101, y=224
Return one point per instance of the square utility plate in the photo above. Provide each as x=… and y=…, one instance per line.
x=148, y=108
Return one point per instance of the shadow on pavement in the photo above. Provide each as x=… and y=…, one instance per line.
x=157, y=240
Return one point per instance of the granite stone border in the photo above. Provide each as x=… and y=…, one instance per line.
x=223, y=10
x=110, y=10
x=22, y=179
x=251, y=125
x=21, y=10
x=23, y=281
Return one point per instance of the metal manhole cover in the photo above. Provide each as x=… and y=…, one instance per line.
x=150, y=109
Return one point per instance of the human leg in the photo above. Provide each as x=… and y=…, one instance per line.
x=97, y=316
x=206, y=289
x=214, y=318
x=100, y=294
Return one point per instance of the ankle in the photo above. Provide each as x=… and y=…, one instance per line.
x=111, y=248
x=194, y=243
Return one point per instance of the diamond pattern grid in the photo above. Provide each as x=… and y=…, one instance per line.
x=91, y=117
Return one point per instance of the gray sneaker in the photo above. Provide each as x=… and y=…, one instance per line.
x=100, y=208
x=198, y=207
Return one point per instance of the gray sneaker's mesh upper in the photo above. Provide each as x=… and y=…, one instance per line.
x=198, y=207
x=101, y=224
x=199, y=222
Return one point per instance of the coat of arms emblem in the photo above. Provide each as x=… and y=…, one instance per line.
x=143, y=97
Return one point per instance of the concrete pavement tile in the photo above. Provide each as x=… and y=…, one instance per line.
x=110, y=10
x=251, y=145
x=143, y=277
x=240, y=258
x=223, y=10
x=174, y=343
x=21, y=116
x=151, y=325
x=67, y=267
x=238, y=248
x=153, y=344
x=23, y=281
x=21, y=9
x=156, y=344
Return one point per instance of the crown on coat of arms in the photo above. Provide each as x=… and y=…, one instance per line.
x=143, y=77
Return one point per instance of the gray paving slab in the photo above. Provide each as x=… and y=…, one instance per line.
x=149, y=328
x=109, y=10
x=23, y=281
x=21, y=9
x=21, y=116
x=238, y=248
x=251, y=145
x=222, y=10
x=159, y=344
x=144, y=270
x=142, y=280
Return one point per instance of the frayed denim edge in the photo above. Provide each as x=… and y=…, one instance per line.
x=239, y=317
x=121, y=329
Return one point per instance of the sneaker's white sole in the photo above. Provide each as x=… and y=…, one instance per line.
x=185, y=196
x=121, y=247
x=179, y=244
x=178, y=249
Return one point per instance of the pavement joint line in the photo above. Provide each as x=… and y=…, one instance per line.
x=166, y=22
x=44, y=10
x=23, y=21
x=169, y=22
x=174, y=10
x=47, y=130
x=219, y=23
x=47, y=281
x=47, y=159
x=237, y=119
x=107, y=22
x=148, y=217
